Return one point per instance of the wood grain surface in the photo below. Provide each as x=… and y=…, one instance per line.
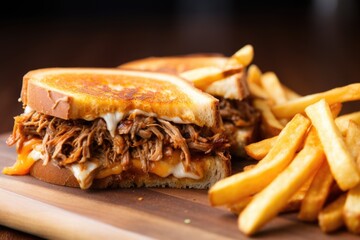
x=52, y=211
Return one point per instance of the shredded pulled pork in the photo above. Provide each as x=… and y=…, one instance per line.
x=141, y=137
x=237, y=115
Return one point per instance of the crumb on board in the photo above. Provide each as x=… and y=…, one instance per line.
x=187, y=220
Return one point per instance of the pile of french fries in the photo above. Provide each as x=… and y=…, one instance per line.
x=308, y=161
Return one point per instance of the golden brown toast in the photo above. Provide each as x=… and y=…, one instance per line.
x=88, y=93
x=215, y=169
x=233, y=88
x=176, y=64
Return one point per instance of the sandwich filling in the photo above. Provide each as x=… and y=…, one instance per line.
x=144, y=143
x=238, y=115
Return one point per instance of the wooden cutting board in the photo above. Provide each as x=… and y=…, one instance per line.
x=52, y=211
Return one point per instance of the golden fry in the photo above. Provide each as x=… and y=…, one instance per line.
x=353, y=139
x=352, y=210
x=330, y=218
x=272, y=126
x=249, y=167
x=236, y=187
x=293, y=204
x=335, y=109
x=254, y=74
x=245, y=55
x=295, y=201
x=272, y=86
x=290, y=94
x=269, y=202
x=259, y=149
x=342, y=94
x=257, y=91
x=343, y=121
x=239, y=206
x=317, y=194
x=342, y=164
x=202, y=77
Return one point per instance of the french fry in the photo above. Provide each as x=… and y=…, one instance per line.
x=202, y=77
x=272, y=126
x=317, y=194
x=343, y=121
x=249, y=167
x=257, y=91
x=289, y=93
x=269, y=202
x=352, y=210
x=238, y=186
x=342, y=164
x=347, y=93
x=259, y=149
x=254, y=74
x=295, y=201
x=283, y=121
x=272, y=86
x=239, y=206
x=231, y=64
x=245, y=55
x=353, y=139
x=330, y=218
x=335, y=109
x=293, y=204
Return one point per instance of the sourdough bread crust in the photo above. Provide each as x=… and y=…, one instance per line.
x=216, y=169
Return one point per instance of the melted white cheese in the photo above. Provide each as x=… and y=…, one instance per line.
x=28, y=109
x=36, y=155
x=179, y=172
x=82, y=173
x=113, y=119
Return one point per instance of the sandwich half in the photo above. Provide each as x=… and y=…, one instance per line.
x=99, y=128
x=241, y=119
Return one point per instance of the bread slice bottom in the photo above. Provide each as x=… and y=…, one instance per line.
x=215, y=169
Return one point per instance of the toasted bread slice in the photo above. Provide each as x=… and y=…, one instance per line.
x=176, y=64
x=88, y=93
x=215, y=169
x=234, y=88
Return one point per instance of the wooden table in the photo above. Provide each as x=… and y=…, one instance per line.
x=52, y=211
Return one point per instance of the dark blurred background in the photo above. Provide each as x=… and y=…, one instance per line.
x=311, y=45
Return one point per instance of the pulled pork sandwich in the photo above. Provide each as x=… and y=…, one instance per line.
x=99, y=128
